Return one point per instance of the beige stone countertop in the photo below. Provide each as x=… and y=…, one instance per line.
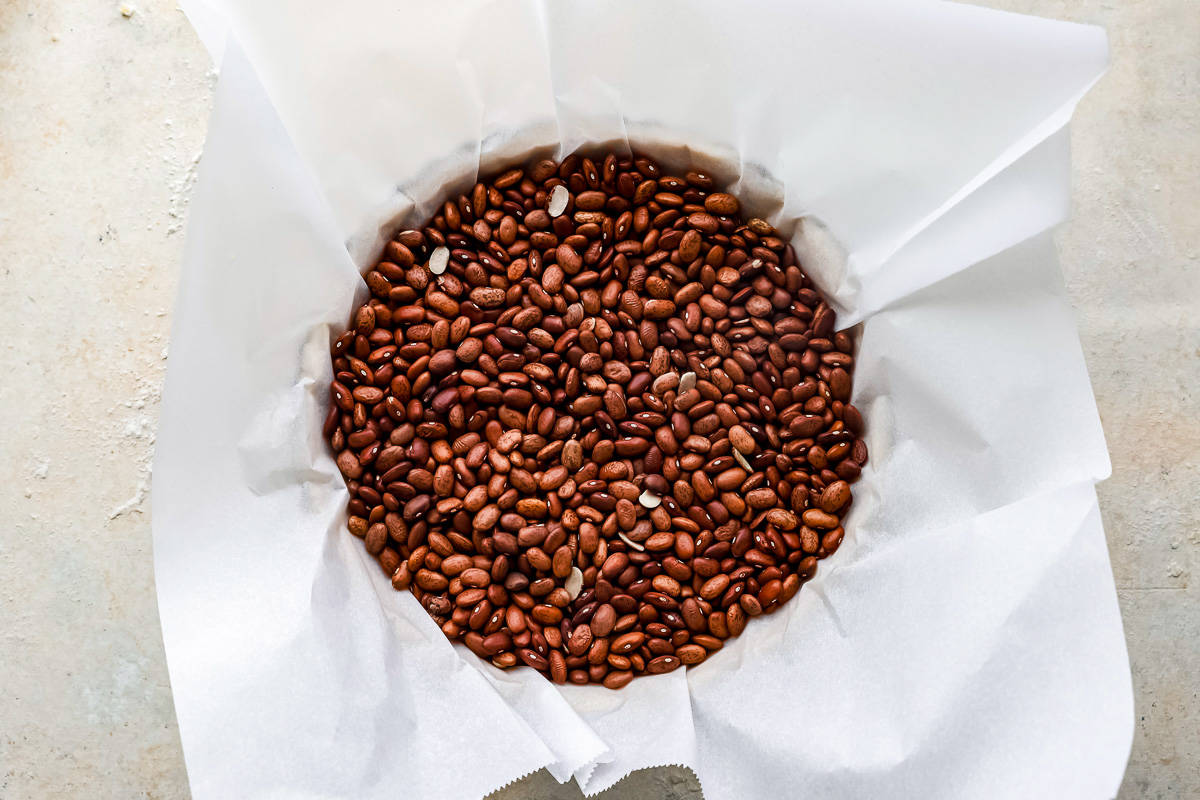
x=103, y=108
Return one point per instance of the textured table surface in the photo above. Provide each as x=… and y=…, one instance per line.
x=103, y=107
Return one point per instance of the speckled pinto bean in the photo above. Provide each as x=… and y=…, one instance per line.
x=594, y=419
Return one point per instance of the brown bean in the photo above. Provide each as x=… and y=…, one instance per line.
x=627, y=642
x=721, y=203
x=626, y=514
x=658, y=309
x=782, y=518
x=618, y=679
x=603, y=621
x=376, y=538
x=735, y=618
x=714, y=587
x=662, y=664
x=834, y=496
x=815, y=518
x=455, y=564
x=730, y=479
x=580, y=640
x=741, y=439
x=761, y=498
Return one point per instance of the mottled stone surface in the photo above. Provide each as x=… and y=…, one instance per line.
x=102, y=121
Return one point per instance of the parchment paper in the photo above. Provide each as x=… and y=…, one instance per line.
x=964, y=642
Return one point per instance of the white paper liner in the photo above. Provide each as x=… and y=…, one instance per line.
x=965, y=641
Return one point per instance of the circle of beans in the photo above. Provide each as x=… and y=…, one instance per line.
x=594, y=420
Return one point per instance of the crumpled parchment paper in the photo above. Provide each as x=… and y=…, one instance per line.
x=964, y=642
